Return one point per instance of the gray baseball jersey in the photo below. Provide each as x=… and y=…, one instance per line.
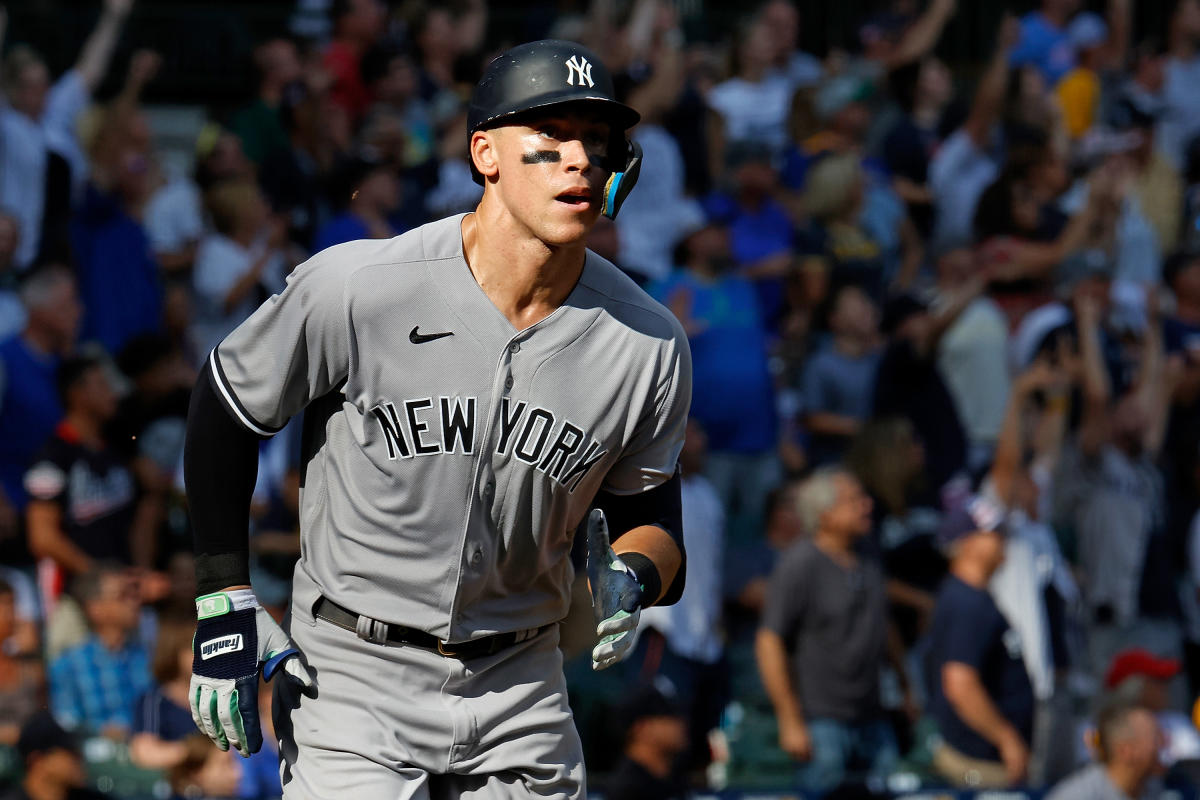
x=451, y=457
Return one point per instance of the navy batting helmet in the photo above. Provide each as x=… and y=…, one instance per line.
x=547, y=73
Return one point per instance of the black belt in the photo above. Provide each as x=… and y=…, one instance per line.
x=372, y=630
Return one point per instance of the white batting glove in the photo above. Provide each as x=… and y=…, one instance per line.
x=616, y=595
x=235, y=640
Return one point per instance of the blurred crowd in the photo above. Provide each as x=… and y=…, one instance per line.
x=942, y=475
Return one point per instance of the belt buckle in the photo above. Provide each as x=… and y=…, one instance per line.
x=441, y=648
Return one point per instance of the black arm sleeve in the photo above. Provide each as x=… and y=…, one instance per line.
x=220, y=466
x=662, y=507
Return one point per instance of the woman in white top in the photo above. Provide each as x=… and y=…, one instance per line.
x=755, y=104
x=239, y=265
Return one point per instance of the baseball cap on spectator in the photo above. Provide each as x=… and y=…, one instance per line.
x=648, y=700
x=1086, y=31
x=839, y=92
x=1138, y=662
x=747, y=151
x=898, y=309
x=1036, y=332
x=976, y=514
x=41, y=733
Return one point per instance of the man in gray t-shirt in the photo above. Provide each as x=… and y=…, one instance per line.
x=823, y=640
x=472, y=390
x=1127, y=748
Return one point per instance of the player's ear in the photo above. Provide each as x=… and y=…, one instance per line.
x=483, y=153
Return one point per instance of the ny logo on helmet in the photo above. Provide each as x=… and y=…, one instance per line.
x=579, y=68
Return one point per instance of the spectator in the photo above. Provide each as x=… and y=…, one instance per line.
x=368, y=192
x=12, y=313
x=357, y=24
x=1127, y=746
x=661, y=213
x=258, y=125
x=42, y=165
x=761, y=234
x=798, y=68
x=718, y=310
x=923, y=90
x=1045, y=40
x=239, y=265
x=748, y=566
x=965, y=164
x=683, y=642
x=754, y=104
x=118, y=277
x=205, y=771
x=174, y=216
x=29, y=404
x=147, y=429
x=655, y=737
x=824, y=640
x=391, y=76
x=1138, y=676
x=292, y=179
x=161, y=717
x=889, y=460
x=1181, y=120
x=979, y=691
x=972, y=357
x=1034, y=587
x=839, y=377
x=837, y=249
x=94, y=685
x=83, y=504
x=22, y=682
x=1156, y=183
x=1109, y=492
x=1079, y=89
x=52, y=763
x=908, y=384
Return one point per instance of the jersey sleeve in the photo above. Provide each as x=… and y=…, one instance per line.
x=650, y=457
x=293, y=349
x=46, y=478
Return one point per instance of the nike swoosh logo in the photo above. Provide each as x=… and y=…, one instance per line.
x=421, y=338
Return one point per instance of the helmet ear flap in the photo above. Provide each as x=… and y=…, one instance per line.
x=623, y=177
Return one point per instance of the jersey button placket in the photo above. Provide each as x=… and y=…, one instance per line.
x=508, y=382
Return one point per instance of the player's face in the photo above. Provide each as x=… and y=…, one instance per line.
x=550, y=174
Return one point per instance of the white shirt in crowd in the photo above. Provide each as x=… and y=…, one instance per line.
x=219, y=263
x=958, y=174
x=1181, y=122
x=655, y=216
x=755, y=112
x=174, y=216
x=692, y=626
x=25, y=144
x=973, y=361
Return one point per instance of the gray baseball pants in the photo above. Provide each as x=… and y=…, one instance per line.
x=396, y=722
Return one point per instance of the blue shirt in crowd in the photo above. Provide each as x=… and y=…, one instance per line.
x=732, y=392
x=755, y=234
x=835, y=383
x=29, y=410
x=92, y=686
x=155, y=713
x=1044, y=46
x=968, y=628
x=118, y=274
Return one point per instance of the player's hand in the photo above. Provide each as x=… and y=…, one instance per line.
x=235, y=640
x=616, y=595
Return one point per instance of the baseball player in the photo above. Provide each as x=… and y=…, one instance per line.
x=474, y=391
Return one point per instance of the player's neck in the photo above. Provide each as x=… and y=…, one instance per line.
x=522, y=276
